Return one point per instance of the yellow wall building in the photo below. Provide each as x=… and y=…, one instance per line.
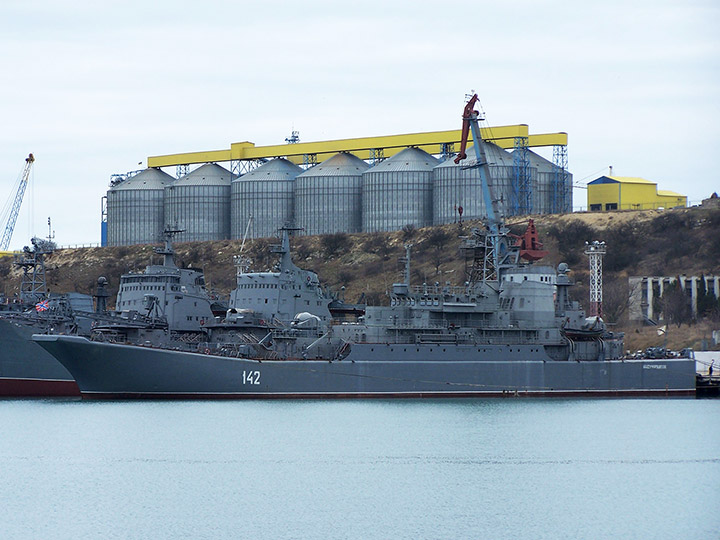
x=629, y=193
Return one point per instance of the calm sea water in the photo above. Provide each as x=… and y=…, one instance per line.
x=361, y=469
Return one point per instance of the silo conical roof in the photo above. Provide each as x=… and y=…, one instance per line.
x=536, y=160
x=342, y=164
x=410, y=159
x=150, y=178
x=493, y=153
x=277, y=169
x=210, y=174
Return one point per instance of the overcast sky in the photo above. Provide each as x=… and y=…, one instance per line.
x=94, y=88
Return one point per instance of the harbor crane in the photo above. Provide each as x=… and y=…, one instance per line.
x=16, y=202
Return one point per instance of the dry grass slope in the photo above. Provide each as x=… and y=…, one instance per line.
x=671, y=242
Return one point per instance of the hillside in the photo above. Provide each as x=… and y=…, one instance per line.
x=670, y=242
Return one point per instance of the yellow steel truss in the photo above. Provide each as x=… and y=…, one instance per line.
x=433, y=142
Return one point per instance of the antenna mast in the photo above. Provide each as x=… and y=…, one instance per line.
x=595, y=252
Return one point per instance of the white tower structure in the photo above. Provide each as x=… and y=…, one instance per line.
x=595, y=252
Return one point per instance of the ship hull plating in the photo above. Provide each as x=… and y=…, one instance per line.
x=26, y=369
x=112, y=371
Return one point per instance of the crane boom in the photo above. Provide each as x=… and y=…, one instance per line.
x=15, y=210
x=470, y=122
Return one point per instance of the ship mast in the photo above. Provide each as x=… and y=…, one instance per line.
x=167, y=251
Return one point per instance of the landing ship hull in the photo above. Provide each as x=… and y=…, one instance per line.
x=113, y=371
x=26, y=369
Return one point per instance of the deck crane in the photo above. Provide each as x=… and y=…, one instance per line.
x=17, y=201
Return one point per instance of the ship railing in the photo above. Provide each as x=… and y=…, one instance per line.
x=437, y=338
x=440, y=289
x=418, y=327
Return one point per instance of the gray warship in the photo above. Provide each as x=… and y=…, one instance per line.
x=162, y=299
x=511, y=329
x=25, y=369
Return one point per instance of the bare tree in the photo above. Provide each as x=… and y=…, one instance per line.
x=676, y=304
x=616, y=299
x=437, y=241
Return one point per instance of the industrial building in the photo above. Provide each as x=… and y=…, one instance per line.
x=349, y=185
x=646, y=290
x=629, y=193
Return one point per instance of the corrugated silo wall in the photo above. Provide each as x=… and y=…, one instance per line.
x=542, y=193
x=455, y=186
x=393, y=199
x=328, y=204
x=202, y=211
x=501, y=184
x=569, y=193
x=135, y=216
x=269, y=202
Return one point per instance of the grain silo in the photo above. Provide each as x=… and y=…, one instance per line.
x=264, y=198
x=328, y=197
x=199, y=204
x=548, y=196
x=135, y=209
x=398, y=192
x=456, y=185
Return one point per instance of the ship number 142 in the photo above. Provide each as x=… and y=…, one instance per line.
x=251, y=377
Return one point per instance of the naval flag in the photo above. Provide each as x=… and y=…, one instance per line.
x=42, y=306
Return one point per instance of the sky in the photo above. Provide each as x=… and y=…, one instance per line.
x=94, y=88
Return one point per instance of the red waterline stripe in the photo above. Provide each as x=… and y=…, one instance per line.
x=38, y=388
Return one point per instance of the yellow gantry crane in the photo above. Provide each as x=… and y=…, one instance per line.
x=366, y=148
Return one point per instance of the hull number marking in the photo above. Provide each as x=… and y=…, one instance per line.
x=251, y=377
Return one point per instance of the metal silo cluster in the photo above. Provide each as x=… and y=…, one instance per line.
x=341, y=194
x=199, y=204
x=264, y=198
x=328, y=197
x=135, y=208
x=398, y=192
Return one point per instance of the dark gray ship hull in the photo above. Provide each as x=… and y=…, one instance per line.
x=26, y=369
x=113, y=371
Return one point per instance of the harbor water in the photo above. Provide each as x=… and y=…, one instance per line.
x=370, y=469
